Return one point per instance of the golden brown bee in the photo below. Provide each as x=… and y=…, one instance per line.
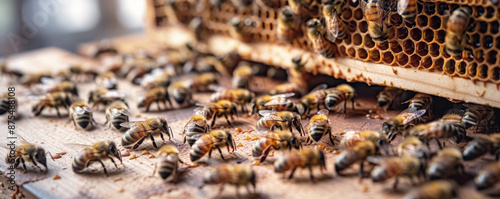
x=275, y=140
x=156, y=79
x=305, y=158
x=239, y=96
x=242, y=75
x=395, y=167
x=181, y=93
x=288, y=25
x=421, y=101
x=408, y=10
x=241, y=29
x=488, y=177
x=168, y=161
x=335, y=27
x=287, y=87
x=318, y=126
x=96, y=153
x=279, y=103
x=447, y=127
x=158, y=94
x=448, y=161
x=208, y=64
x=458, y=23
x=54, y=100
x=81, y=115
x=140, y=130
x=63, y=86
x=314, y=99
x=392, y=98
x=27, y=153
x=358, y=153
x=315, y=33
x=290, y=120
x=238, y=175
x=204, y=82
x=107, y=81
x=270, y=4
x=218, y=109
x=406, y=119
x=351, y=138
x=117, y=113
x=339, y=94
x=482, y=145
x=80, y=74
x=474, y=114
x=104, y=97
x=376, y=14
x=270, y=121
x=412, y=146
x=213, y=140
x=196, y=126
x=438, y=189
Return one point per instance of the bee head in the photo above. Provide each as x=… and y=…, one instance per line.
x=164, y=124
x=40, y=157
x=295, y=143
x=382, y=102
x=114, y=151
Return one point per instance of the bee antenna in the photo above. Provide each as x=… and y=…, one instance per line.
x=48, y=153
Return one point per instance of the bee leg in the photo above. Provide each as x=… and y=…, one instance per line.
x=220, y=151
x=396, y=181
x=112, y=160
x=331, y=136
x=147, y=107
x=265, y=153
x=162, y=138
x=439, y=143
x=153, y=140
x=58, y=113
x=461, y=168
x=213, y=121
x=237, y=187
x=139, y=143
x=158, y=105
x=103, y=167
x=345, y=107
x=291, y=174
x=361, y=166
x=227, y=119
x=210, y=153
x=311, y=174
x=221, y=188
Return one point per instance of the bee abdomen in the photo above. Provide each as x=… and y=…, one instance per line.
x=199, y=149
x=116, y=121
x=167, y=168
x=259, y=147
x=317, y=132
x=80, y=161
x=130, y=137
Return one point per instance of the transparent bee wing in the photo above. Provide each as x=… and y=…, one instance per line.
x=129, y=124
x=200, y=111
x=409, y=110
x=332, y=27
x=117, y=112
x=114, y=94
x=79, y=110
x=276, y=102
x=284, y=95
x=216, y=88
x=323, y=112
x=109, y=82
x=266, y=112
x=402, y=5
x=376, y=159
x=49, y=80
x=320, y=87
x=380, y=10
x=414, y=116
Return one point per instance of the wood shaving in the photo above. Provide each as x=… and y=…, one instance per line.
x=133, y=157
x=239, y=145
x=255, y=138
x=152, y=156
x=125, y=154
x=248, y=137
x=145, y=152
x=56, y=177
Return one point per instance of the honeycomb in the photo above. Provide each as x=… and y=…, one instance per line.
x=419, y=45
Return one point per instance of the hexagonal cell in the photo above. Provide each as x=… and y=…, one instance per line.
x=434, y=49
x=408, y=47
x=483, y=27
x=440, y=36
x=415, y=61
x=383, y=46
x=478, y=11
x=479, y=55
x=351, y=52
x=449, y=67
x=402, y=33
x=471, y=70
x=422, y=48
x=495, y=74
x=374, y=55
x=342, y=51
x=368, y=41
x=497, y=42
x=435, y=22
x=396, y=19
x=491, y=57
x=426, y=62
x=357, y=39
x=438, y=64
x=429, y=8
x=351, y=27
x=416, y=34
x=442, y=9
x=363, y=26
x=428, y=35
x=362, y=54
x=482, y=71
x=475, y=40
x=346, y=14
x=402, y=59
x=461, y=68
x=387, y=57
x=348, y=39
x=490, y=12
x=395, y=47
x=422, y=20
x=358, y=14
x=494, y=27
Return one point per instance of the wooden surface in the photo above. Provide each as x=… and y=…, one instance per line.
x=134, y=178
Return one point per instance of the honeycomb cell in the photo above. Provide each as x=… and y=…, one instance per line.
x=415, y=61
x=383, y=46
x=347, y=40
x=483, y=27
x=435, y=22
x=497, y=42
x=362, y=54
x=346, y=14
x=387, y=58
x=342, y=51
x=442, y=9
x=363, y=26
x=449, y=67
x=430, y=8
x=357, y=39
x=495, y=74
x=402, y=33
x=396, y=19
x=487, y=41
x=494, y=27
x=479, y=55
x=478, y=11
x=482, y=71
x=351, y=27
x=395, y=47
x=402, y=59
x=358, y=14
x=472, y=69
x=351, y=52
x=408, y=47
x=422, y=20
x=438, y=64
x=490, y=12
x=461, y=68
x=440, y=36
x=475, y=40
x=426, y=62
x=368, y=42
x=416, y=34
x=428, y=35
x=491, y=57
x=374, y=56
x=422, y=49
x=434, y=49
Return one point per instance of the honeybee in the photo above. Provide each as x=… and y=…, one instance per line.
x=64, y=86
x=104, y=97
x=275, y=140
x=412, y=146
x=407, y=9
x=158, y=94
x=421, y=101
x=280, y=103
x=358, y=153
x=318, y=126
x=6, y=103
x=196, y=126
x=240, y=29
x=168, y=161
x=270, y=4
x=351, y=138
x=96, y=153
x=240, y=96
x=27, y=153
x=117, y=113
x=81, y=115
x=106, y=80
x=482, y=145
x=315, y=33
x=395, y=167
x=305, y=158
x=458, y=23
x=376, y=14
x=302, y=8
x=140, y=130
x=157, y=78
x=288, y=119
x=181, y=93
x=287, y=87
x=79, y=74
x=341, y=93
x=488, y=176
x=438, y=189
x=204, y=82
x=447, y=127
x=474, y=114
x=336, y=28
x=213, y=140
x=270, y=121
x=392, y=97
x=242, y=75
x=55, y=100
x=232, y=174
x=220, y=108
x=314, y=99
x=445, y=163
x=288, y=25
x=406, y=119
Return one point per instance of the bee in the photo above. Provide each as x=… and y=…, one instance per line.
x=204, y=81
x=318, y=126
x=107, y=81
x=305, y=158
x=233, y=174
x=218, y=109
x=270, y=121
x=81, y=115
x=482, y=145
x=96, y=153
x=458, y=23
x=168, y=161
x=351, y=138
x=412, y=146
x=336, y=28
x=405, y=120
x=315, y=33
x=239, y=96
x=407, y=9
x=275, y=140
x=104, y=97
x=392, y=97
x=438, y=189
x=474, y=114
x=421, y=101
x=156, y=79
x=488, y=176
x=269, y=4
x=140, y=130
x=181, y=93
x=396, y=167
x=64, y=86
x=34, y=78
x=117, y=113
x=280, y=103
x=288, y=119
x=288, y=25
x=358, y=153
x=241, y=29
x=213, y=140
x=447, y=161
x=342, y=92
x=242, y=75
x=196, y=126
x=314, y=99
x=6, y=103
x=447, y=127
x=287, y=87
x=376, y=14
x=80, y=74
x=27, y=153
x=55, y=100
x=302, y=8
x=158, y=94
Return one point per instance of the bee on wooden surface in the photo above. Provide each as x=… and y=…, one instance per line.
x=241, y=29
x=442, y=189
x=238, y=175
x=181, y=93
x=314, y=99
x=376, y=14
x=275, y=140
x=107, y=81
x=287, y=87
x=318, y=126
x=482, y=145
x=280, y=103
x=157, y=78
x=220, y=108
x=395, y=167
x=242, y=75
x=80, y=74
x=447, y=162
x=270, y=121
x=158, y=94
x=412, y=146
x=104, y=97
x=54, y=100
x=168, y=162
x=117, y=113
x=96, y=153
x=351, y=138
x=457, y=24
x=81, y=115
x=305, y=158
x=11, y=73
x=239, y=96
x=341, y=93
x=474, y=114
x=6, y=103
x=447, y=127
x=208, y=64
x=358, y=153
x=315, y=33
x=392, y=98
x=27, y=153
x=140, y=130
x=213, y=140
x=34, y=78
x=335, y=27
x=288, y=119
x=407, y=9
x=204, y=82
x=421, y=101
x=288, y=25
x=196, y=126
x=51, y=85
x=488, y=177
x=258, y=103
x=405, y=120
x=269, y=4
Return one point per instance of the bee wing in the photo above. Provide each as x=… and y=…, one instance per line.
x=332, y=27
x=323, y=112
x=377, y=159
x=81, y=110
x=129, y=124
x=402, y=5
x=216, y=88
x=118, y=112
x=275, y=102
x=284, y=95
x=114, y=94
x=109, y=82
x=380, y=9
x=266, y=112
x=320, y=87
x=414, y=116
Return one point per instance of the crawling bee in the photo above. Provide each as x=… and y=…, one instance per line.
x=412, y=146
x=336, y=28
x=474, y=114
x=238, y=175
x=314, y=99
x=438, y=189
x=168, y=161
x=446, y=163
x=27, y=153
x=158, y=94
x=80, y=74
x=288, y=25
x=287, y=87
x=407, y=9
x=396, y=167
x=315, y=33
x=156, y=79
x=482, y=145
x=447, y=127
x=279, y=103
x=204, y=82
x=241, y=29
x=104, y=97
x=55, y=100
x=307, y=157
x=240, y=96
x=51, y=86
x=213, y=140
x=107, y=81
x=81, y=115
x=196, y=126
x=421, y=101
x=458, y=23
x=275, y=140
x=181, y=93
x=218, y=109
x=289, y=120
x=117, y=113
x=406, y=119
x=341, y=93
x=488, y=177
x=242, y=75
x=96, y=153
x=318, y=126
x=376, y=15
x=140, y=130
x=358, y=153
x=392, y=97
x=351, y=138
x=270, y=121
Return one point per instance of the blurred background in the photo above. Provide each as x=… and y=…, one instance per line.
x=26, y=24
